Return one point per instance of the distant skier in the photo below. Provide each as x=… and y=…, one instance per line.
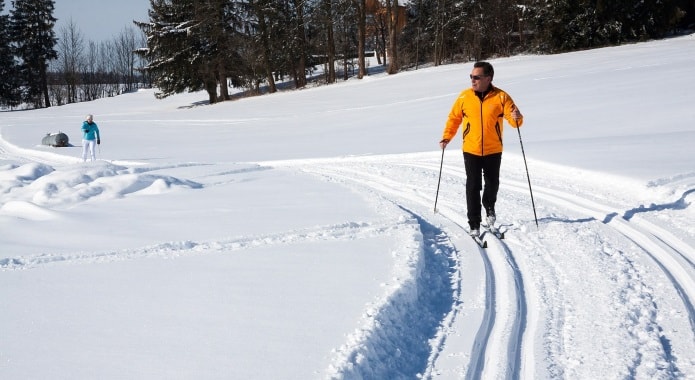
x=90, y=135
x=481, y=109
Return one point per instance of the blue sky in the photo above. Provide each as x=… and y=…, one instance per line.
x=99, y=20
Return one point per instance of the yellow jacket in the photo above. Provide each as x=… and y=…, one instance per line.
x=482, y=120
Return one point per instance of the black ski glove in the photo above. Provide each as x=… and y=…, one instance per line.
x=98, y=141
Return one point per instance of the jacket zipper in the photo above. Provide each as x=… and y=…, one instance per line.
x=482, y=129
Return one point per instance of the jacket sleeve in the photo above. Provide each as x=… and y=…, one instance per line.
x=508, y=108
x=96, y=130
x=454, y=119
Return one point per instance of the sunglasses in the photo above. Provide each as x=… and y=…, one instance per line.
x=477, y=77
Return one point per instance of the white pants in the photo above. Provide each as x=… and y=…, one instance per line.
x=88, y=146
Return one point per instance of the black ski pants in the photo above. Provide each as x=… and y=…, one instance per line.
x=477, y=168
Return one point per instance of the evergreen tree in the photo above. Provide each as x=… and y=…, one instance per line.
x=168, y=52
x=9, y=86
x=190, y=45
x=280, y=30
x=214, y=38
x=324, y=12
x=565, y=25
x=300, y=55
x=263, y=13
x=32, y=32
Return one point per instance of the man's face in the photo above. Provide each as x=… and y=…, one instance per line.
x=482, y=82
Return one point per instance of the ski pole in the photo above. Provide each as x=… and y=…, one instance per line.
x=527, y=175
x=436, y=197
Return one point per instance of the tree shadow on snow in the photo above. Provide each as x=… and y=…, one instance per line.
x=680, y=204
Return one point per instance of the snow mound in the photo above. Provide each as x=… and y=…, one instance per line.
x=27, y=210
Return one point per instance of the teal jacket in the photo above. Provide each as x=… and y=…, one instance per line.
x=90, y=131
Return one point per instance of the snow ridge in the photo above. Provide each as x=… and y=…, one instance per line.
x=397, y=334
x=344, y=231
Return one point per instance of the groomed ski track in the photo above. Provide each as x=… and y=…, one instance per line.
x=522, y=328
x=520, y=322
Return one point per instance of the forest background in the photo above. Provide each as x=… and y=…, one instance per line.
x=260, y=45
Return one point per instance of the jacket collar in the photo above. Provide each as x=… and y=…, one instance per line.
x=482, y=94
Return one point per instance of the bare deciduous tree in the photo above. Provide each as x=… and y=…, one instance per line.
x=124, y=57
x=70, y=58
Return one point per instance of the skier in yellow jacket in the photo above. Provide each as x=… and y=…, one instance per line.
x=481, y=109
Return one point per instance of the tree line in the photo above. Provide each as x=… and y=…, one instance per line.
x=256, y=45
x=41, y=66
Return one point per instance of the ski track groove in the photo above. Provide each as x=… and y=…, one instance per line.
x=517, y=330
x=666, y=254
x=667, y=251
x=673, y=256
x=500, y=316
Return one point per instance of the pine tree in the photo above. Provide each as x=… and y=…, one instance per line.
x=32, y=32
x=168, y=51
x=9, y=86
x=190, y=45
x=300, y=55
x=214, y=38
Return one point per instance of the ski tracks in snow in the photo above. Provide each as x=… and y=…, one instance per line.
x=522, y=308
x=345, y=231
x=539, y=286
x=496, y=346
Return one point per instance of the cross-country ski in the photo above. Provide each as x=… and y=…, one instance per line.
x=491, y=228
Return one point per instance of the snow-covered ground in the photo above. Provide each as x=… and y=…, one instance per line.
x=293, y=236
